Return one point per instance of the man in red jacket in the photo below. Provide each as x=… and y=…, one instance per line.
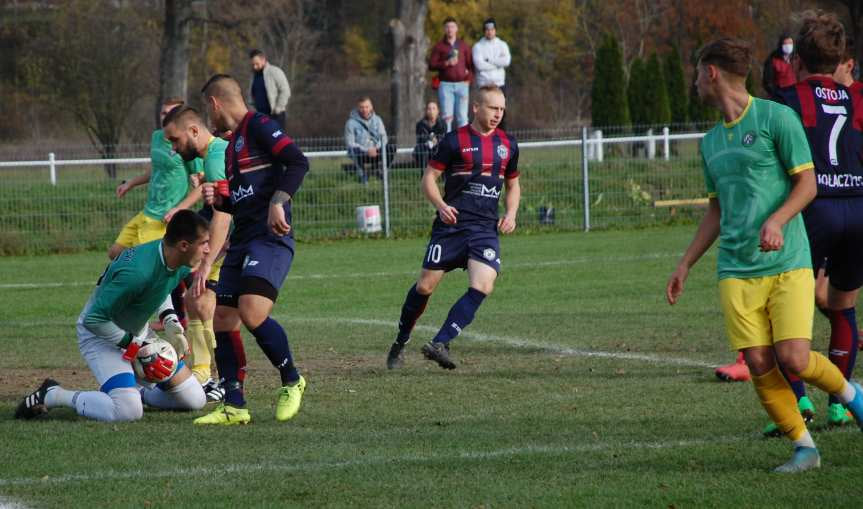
x=451, y=58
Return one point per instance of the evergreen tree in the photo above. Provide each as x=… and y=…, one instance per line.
x=635, y=93
x=656, y=93
x=675, y=82
x=608, y=93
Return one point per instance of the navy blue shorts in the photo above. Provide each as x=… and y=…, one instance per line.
x=835, y=229
x=450, y=247
x=268, y=258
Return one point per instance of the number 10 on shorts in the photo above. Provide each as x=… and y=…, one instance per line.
x=434, y=253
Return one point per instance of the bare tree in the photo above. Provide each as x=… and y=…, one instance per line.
x=99, y=77
x=410, y=46
x=288, y=39
x=174, y=56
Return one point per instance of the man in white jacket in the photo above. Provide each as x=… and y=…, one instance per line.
x=269, y=90
x=491, y=58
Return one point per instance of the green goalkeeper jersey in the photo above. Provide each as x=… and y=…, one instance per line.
x=169, y=177
x=748, y=166
x=131, y=290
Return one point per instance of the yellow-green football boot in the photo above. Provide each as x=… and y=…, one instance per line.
x=225, y=415
x=290, y=397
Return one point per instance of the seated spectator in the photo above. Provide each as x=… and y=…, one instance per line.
x=365, y=137
x=778, y=68
x=430, y=129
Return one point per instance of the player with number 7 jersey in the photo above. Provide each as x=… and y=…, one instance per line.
x=832, y=117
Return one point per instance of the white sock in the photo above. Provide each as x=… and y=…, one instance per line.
x=805, y=440
x=58, y=396
x=846, y=395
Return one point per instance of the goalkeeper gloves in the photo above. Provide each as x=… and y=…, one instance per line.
x=174, y=332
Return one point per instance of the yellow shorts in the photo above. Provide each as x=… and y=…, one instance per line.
x=762, y=311
x=141, y=229
x=214, y=270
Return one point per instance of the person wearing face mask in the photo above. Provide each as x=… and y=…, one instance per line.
x=778, y=68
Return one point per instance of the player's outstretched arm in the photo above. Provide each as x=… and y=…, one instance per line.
x=195, y=194
x=432, y=193
x=705, y=236
x=506, y=224
x=219, y=227
x=803, y=191
x=128, y=185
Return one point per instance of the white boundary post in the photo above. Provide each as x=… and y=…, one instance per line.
x=52, y=167
x=385, y=168
x=666, y=143
x=585, y=184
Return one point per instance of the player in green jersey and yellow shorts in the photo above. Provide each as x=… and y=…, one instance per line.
x=186, y=131
x=759, y=176
x=169, y=184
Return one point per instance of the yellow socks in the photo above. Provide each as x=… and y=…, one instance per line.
x=778, y=399
x=823, y=374
x=200, y=346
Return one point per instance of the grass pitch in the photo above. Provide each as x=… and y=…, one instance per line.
x=577, y=385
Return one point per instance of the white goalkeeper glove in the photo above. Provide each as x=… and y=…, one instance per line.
x=175, y=334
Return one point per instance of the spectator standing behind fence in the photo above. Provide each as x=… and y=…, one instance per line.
x=491, y=57
x=269, y=90
x=430, y=129
x=451, y=58
x=778, y=68
x=365, y=137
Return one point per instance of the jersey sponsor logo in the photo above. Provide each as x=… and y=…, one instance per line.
x=749, y=139
x=502, y=151
x=831, y=95
x=489, y=254
x=277, y=134
x=238, y=145
x=479, y=189
x=470, y=149
x=242, y=193
x=840, y=181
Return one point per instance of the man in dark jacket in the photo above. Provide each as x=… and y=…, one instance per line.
x=430, y=129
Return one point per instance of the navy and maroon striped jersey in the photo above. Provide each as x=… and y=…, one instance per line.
x=832, y=117
x=474, y=168
x=260, y=160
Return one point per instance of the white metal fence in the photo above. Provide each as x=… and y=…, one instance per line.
x=57, y=204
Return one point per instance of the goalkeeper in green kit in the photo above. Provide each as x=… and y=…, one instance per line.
x=113, y=333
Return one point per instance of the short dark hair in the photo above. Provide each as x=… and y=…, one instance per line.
x=820, y=42
x=186, y=225
x=221, y=85
x=173, y=101
x=732, y=55
x=256, y=53
x=181, y=114
x=450, y=19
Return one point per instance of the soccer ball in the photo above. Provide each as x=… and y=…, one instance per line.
x=149, y=353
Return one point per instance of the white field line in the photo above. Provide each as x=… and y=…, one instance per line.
x=525, y=343
x=514, y=342
x=360, y=275
x=211, y=471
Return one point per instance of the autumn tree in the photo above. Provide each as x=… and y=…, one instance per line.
x=656, y=92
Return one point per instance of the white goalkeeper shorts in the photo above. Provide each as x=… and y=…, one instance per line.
x=105, y=359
